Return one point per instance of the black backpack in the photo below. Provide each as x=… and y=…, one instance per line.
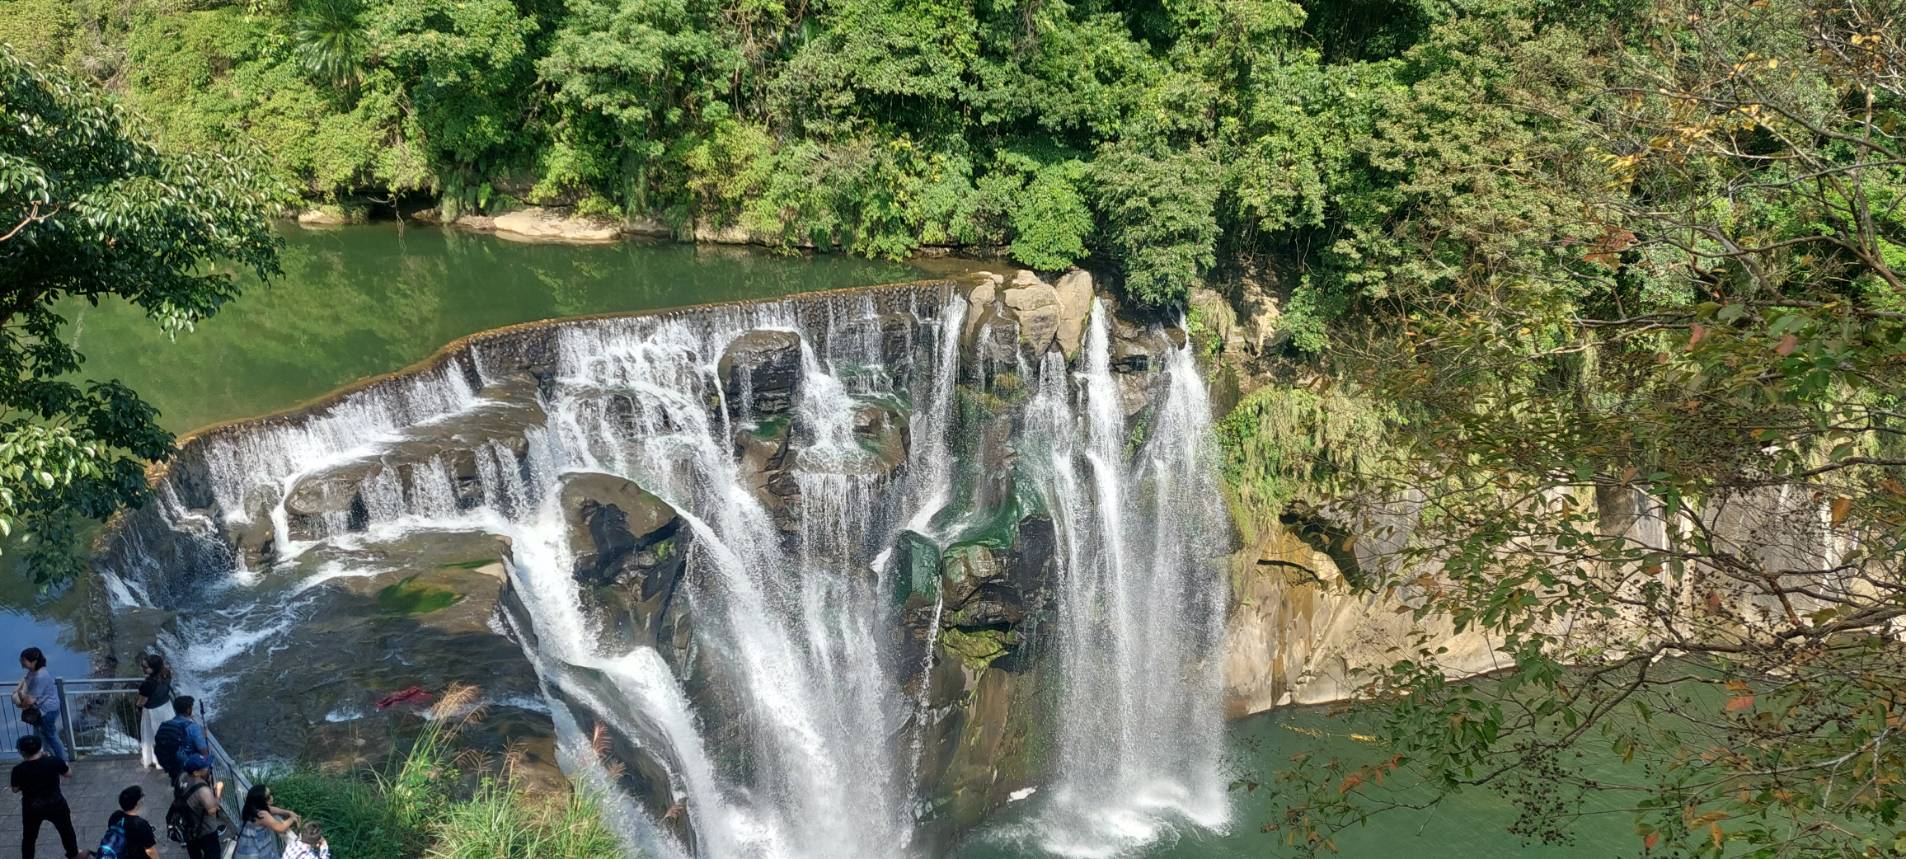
x=168, y=742
x=184, y=823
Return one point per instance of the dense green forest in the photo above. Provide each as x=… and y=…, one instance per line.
x=1159, y=141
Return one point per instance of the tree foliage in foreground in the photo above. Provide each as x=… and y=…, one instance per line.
x=1655, y=434
x=88, y=211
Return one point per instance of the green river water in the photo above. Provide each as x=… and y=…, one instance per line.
x=359, y=301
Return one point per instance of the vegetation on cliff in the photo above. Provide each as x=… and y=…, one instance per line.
x=1643, y=322
x=89, y=210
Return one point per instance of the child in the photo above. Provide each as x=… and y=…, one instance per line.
x=309, y=844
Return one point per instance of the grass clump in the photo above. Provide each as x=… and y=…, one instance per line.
x=439, y=803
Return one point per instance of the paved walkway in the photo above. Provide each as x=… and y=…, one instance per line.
x=93, y=792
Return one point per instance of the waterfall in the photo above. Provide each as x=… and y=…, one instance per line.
x=1140, y=610
x=782, y=725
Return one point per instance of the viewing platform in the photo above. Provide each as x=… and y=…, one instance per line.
x=101, y=730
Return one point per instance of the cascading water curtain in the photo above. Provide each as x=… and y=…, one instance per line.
x=795, y=639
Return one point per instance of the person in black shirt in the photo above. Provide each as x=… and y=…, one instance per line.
x=37, y=780
x=155, y=706
x=141, y=841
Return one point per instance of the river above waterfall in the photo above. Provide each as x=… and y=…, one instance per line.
x=309, y=637
x=358, y=301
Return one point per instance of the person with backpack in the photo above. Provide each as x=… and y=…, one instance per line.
x=128, y=835
x=36, y=779
x=38, y=698
x=178, y=738
x=155, y=706
x=196, y=818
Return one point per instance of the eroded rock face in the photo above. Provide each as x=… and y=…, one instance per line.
x=1035, y=304
x=438, y=464
x=1074, y=291
x=1038, y=315
x=760, y=372
x=983, y=708
x=631, y=551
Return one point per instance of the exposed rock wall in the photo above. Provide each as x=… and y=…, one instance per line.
x=1298, y=633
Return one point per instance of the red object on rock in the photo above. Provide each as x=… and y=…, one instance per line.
x=411, y=695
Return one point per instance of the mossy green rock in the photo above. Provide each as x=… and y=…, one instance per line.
x=409, y=596
x=978, y=648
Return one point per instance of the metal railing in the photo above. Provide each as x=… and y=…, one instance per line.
x=99, y=717
x=237, y=783
x=101, y=720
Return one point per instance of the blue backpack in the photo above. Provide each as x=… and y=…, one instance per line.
x=113, y=844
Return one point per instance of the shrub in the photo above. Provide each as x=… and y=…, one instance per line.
x=420, y=806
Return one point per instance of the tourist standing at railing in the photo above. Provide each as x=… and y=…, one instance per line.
x=37, y=780
x=155, y=706
x=261, y=824
x=38, y=698
x=203, y=809
x=180, y=737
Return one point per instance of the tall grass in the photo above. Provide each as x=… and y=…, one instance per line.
x=423, y=804
x=496, y=823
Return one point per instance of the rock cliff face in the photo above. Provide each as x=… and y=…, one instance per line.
x=1298, y=632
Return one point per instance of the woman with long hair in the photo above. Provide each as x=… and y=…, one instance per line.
x=260, y=824
x=38, y=698
x=155, y=706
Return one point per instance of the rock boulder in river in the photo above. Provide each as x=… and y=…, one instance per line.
x=760, y=371
x=549, y=225
x=631, y=550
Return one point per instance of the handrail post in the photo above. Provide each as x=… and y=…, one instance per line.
x=66, y=714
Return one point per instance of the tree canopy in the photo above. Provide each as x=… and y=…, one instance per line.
x=1646, y=348
x=89, y=211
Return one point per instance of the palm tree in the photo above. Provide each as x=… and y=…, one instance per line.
x=327, y=39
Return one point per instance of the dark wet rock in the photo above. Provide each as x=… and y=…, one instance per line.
x=614, y=524
x=762, y=447
x=983, y=713
x=257, y=542
x=447, y=451
x=634, y=754
x=331, y=492
x=884, y=338
x=315, y=698
x=631, y=551
x=761, y=370
x=882, y=429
